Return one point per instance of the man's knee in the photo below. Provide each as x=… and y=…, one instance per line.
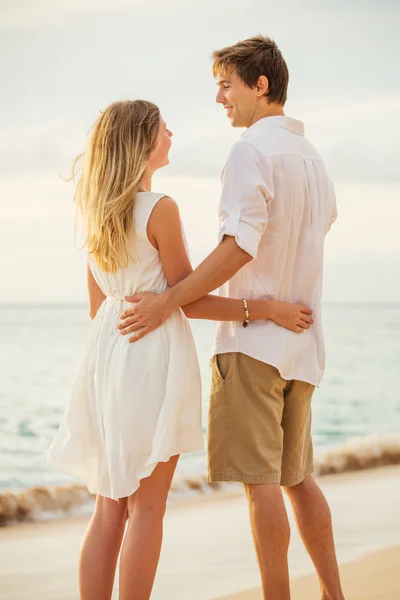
x=256, y=491
x=306, y=484
x=264, y=497
x=268, y=508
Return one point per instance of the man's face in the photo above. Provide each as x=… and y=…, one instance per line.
x=239, y=101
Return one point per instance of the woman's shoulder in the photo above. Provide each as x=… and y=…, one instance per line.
x=147, y=202
x=151, y=207
x=150, y=196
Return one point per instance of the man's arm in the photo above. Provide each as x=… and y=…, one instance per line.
x=150, y=311
x=246, y=191
x=219, y=266
x=334, y=211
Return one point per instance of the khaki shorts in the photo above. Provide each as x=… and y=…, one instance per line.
x=259, y=425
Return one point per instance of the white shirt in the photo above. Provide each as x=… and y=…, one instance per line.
x=278, y=203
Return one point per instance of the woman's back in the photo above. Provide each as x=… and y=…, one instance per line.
x=132, y=405
x=144, y=270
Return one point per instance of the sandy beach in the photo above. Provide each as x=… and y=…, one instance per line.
x=374, y=577
x=208, y=552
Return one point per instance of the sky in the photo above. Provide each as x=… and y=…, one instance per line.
x=61, y=63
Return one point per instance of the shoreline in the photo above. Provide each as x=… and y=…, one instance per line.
x=373, y=576
x=208, y=552
x=43, y=501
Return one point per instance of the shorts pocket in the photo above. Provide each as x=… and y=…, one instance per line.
x=221, y=373
x=222, y=366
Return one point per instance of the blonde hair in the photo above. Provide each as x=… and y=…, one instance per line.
x=113, y=164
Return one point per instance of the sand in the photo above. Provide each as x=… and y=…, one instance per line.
x=374, y=577
x=208, y=552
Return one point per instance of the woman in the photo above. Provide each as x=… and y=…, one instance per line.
x=135, y=408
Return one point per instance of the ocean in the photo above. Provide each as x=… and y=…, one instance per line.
x=356, y=410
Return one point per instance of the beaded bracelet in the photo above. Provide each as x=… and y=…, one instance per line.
x=246, y=312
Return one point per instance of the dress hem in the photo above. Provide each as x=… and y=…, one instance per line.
x=143, y=474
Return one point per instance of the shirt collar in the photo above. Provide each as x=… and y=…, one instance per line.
x=276, y=121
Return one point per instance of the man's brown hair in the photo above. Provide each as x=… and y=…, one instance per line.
x=256, y=56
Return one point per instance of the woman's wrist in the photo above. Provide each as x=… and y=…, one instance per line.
x=170, y=301
x=270, y=309
x=262, y=309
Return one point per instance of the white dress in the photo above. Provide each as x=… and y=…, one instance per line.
x=132, y=405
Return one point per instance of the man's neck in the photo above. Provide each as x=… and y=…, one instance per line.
x=270, y=110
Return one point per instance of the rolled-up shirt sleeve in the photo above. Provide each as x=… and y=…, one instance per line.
x=247, y=189
x=333, y=206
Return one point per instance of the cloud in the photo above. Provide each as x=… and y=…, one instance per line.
x=25, y=14
x=46, y=147
x=354, y=161
x=358, y=139
x=28, y=15
x=359, y=142
x=342, y=82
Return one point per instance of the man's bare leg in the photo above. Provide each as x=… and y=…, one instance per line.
x=271, y=534
x=314, y=523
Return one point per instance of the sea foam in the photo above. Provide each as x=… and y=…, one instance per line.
x=51, y=502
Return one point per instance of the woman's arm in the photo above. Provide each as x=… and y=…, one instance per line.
x=165, y=233
x=96, y=296
x=217, y=308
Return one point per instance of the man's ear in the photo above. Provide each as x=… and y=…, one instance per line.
x=262, y=86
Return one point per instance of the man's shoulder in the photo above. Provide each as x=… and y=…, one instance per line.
x=265, y=143
x=244, y=152
x=243, y=146
x=277, y=141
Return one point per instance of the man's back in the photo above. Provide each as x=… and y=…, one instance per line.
x=279, y=203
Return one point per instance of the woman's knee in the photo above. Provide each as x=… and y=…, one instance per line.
x=149, y=508
x=111, y=511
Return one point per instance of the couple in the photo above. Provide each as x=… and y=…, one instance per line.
x=136, y=401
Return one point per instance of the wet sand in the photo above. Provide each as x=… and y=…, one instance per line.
x=374, y=577
x=208, y=551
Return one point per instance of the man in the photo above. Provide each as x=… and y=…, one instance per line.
x=277, y=204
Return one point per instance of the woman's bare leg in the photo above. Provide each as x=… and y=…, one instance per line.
x=100, y=548
x=142, y=544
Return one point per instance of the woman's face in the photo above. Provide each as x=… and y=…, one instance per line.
x=159, y=156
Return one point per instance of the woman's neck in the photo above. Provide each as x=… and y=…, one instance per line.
x=145, y=182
